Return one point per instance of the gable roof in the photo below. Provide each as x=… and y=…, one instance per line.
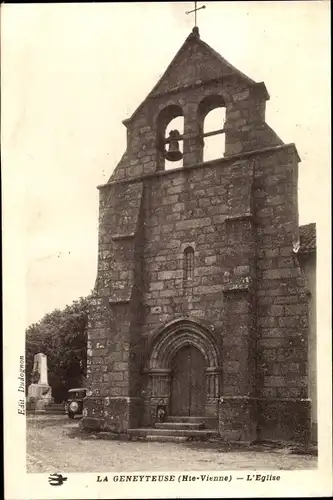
x=222, y=66
x=307, y=235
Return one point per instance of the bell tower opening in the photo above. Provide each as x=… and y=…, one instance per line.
x=212, y=117
x=214, y=145
x=170, y=130
x=174, y=153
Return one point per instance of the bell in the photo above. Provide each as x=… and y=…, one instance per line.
x=173, y=153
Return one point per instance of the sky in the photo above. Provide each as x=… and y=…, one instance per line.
x=72, y=72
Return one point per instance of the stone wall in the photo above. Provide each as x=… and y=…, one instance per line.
x=308, y=264
x=282, y=302
x=114, y=341
x=238, y=216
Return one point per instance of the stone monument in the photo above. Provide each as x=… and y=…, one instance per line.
x=39, y=390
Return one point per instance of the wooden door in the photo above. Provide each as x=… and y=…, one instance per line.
x=188, y=383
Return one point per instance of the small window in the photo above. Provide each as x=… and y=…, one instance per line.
x=188, y=264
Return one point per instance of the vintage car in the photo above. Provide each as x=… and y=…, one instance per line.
x=74, y=405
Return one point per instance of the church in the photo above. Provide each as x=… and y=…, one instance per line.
x=202, y=321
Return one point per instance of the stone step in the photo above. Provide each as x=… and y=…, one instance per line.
x=187, y=433
x=164, y=439
x=193, y=420
x=180, y=425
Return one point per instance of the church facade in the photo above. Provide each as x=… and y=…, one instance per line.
x=201, y=305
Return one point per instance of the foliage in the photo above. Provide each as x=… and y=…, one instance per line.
x=62, y=336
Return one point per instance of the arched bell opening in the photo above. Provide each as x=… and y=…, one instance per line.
x=212, y=118
x=170, y=131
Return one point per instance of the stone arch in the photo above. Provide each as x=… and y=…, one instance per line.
x=166, y=343
x=209, y=103
x=167, y=114
x=180, y=333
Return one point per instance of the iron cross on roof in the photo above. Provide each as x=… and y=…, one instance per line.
x=195, y=10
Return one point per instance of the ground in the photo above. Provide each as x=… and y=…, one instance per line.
x=55, y=444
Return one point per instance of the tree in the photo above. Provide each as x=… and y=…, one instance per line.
x=62, y=336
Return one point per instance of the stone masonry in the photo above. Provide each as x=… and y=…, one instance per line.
x=246, y=308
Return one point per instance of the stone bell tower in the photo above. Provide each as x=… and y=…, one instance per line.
x=200, y=304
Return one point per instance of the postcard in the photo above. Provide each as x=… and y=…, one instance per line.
x=166, y=224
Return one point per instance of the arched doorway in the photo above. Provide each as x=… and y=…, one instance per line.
x=188, y=392
x=184, y=371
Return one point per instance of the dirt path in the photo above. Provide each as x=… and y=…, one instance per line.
x=52, y=447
